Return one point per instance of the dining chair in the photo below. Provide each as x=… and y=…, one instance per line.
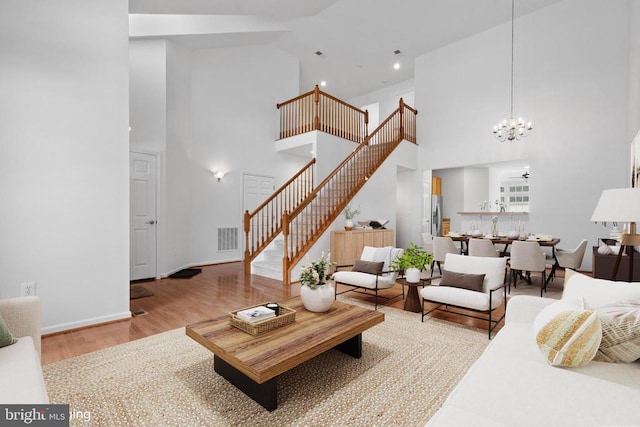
x=427, y=242
x=570, y=258
x=527, y=257
x=441, y=247
x=482, y=248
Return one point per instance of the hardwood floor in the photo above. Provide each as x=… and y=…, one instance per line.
x=216, y=291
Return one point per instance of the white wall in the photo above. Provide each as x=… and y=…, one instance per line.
x=234, y=121
x=177, y=197
x=387, y=97
x=64, y=158
x=571, y=80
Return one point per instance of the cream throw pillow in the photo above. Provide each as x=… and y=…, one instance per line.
x=567, y=333
x=620, y=333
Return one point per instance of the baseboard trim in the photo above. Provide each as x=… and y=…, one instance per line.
x=95, y=321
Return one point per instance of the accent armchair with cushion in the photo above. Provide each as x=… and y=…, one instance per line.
x=372, y=272
x=472, y=283
x=20, y=366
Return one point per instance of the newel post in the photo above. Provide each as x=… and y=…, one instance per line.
x=247, y=253
x=401, y=108
x=316, y=106
x=286, y=280
x=366, y=123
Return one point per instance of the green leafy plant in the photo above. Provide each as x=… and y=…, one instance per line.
x=316, y=273
x=350, y=213
x=412, y=257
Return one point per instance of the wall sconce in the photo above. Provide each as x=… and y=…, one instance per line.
x=219, y=175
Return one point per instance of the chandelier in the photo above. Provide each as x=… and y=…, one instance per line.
x=512, y=129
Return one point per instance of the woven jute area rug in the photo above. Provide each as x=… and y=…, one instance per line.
x=407, y=370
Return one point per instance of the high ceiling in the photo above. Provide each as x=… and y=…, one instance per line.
x=357, y=38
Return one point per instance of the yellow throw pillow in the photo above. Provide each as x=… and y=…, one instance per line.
x=567, y=333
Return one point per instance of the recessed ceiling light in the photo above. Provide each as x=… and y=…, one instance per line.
x=396, y=66
x=323, y=83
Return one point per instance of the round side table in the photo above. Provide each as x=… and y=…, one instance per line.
x=412, y=302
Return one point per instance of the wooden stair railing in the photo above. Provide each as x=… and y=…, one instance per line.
x=317, y=110
x=302, y=226
x=263, y=224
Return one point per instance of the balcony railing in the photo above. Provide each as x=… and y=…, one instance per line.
x=317, y=110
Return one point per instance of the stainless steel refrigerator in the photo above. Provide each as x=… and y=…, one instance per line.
x=436, y=215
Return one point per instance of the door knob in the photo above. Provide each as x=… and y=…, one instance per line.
x=151, y=222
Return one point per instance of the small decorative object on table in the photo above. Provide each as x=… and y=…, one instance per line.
x=412, y=261
x=316, y=292
x=285, y=316
x=273, y=306
x=349, y=214
x=494, y=226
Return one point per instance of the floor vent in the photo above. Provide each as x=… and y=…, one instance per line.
x=228, y=239
x=139, y=312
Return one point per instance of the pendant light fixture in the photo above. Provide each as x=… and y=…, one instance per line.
x=512, y=129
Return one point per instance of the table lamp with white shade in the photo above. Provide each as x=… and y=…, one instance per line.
x=621, y=205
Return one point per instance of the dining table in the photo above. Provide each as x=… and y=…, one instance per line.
x=506, y=241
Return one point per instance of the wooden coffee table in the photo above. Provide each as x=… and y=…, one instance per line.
x=253, y=363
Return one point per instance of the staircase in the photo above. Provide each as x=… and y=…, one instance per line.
x=270, y=263
x=302, y=222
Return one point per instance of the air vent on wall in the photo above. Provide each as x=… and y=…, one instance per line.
x=228, y=239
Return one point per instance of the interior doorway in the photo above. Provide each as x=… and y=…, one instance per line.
x=256, y=189
x=143, y=178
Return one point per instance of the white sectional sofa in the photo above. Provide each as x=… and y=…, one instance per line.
x=512, y=384
x=20, y=366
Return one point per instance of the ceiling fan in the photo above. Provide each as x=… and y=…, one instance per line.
x=524, y=176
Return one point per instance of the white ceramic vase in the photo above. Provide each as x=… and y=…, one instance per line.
x=412, y=275
x=348, y=224
x=319, y=299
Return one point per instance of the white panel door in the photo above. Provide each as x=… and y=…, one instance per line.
x=142, y=179
x=257, y=188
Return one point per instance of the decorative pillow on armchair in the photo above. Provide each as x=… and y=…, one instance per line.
x=370, y=267
x=473, y=282
x=567, y=333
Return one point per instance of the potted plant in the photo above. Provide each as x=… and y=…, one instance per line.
x=316, y=291
x=349, y=214
x=413, y=260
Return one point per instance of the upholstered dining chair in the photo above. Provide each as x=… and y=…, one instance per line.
x=427, y=242
x=569, y=258
x=482, y=247
x=441, y=247
x=527, y=258
x=372, y=272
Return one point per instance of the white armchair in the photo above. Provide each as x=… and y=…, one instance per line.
x=483, y=297
x=372, y=272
